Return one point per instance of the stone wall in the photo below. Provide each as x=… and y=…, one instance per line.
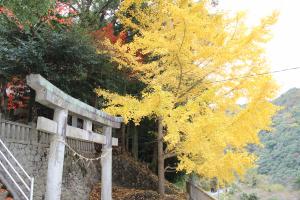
x=195, y=192
x=31, y=149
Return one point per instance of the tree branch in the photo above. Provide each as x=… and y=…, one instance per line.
x=104, y=7
x=178, y=59
x=170, y=155
x=170, y=169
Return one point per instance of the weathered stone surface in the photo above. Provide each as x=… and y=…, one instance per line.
x=78, y=177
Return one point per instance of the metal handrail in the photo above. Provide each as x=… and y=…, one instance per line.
x=15, y=160
x=31, y=179
x=31, y=188
x=14, y=181
x=17, y=173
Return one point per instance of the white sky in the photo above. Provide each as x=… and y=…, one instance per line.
x=283, y=51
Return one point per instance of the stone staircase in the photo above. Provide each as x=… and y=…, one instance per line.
x=15, y=182
x=7, y=187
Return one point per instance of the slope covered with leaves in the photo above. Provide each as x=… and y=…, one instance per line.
x=281, y=156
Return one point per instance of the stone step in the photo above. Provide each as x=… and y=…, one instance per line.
x=7, y=184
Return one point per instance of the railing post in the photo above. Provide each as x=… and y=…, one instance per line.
x=188, y=190
x=31, y=188
x=74, y=121
x=106, y=165
x=56, y=156
x=1, y=129
x=33, y=134
x=87, y=125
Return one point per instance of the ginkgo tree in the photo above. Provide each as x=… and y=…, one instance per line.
x=193, y=57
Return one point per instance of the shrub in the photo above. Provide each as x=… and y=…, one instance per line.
x=273, y=198
x=245, y=196
x=297, y=183
x=233, y=189
x=225, y=196
x=276, y=188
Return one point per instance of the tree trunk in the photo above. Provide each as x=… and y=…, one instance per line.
x=135, y=142
x=160, y=155
x=30, y=116
x=154, y=159
x=127, y=137
x=123, y=135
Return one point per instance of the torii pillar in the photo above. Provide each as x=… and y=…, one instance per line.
x=56, y=156
x=106, y=165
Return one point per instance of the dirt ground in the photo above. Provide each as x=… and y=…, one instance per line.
x=121, y=193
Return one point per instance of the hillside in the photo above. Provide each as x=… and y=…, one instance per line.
x=281, y=156
x=132, y=180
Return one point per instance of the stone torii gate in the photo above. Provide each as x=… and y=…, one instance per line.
x=64, y=105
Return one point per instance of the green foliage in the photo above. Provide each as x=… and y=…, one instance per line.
x=251, y=178
x=66, y=53
x=205, y=183
x=180, y=181
x=264, y=182
x=297, y=183
x=234, y=188
x=226, y=196
x=275, y=188
x=245, y=196
x=28, y=12
x=66, y=57
x=281, y=156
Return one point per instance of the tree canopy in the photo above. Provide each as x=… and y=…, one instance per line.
x=187, y=51
x=41, y=38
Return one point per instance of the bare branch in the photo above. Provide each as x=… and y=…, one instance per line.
x=103, y=8
x=170, y=155
x=170, y=169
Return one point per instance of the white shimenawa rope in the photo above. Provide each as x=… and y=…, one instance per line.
x=75, y=153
